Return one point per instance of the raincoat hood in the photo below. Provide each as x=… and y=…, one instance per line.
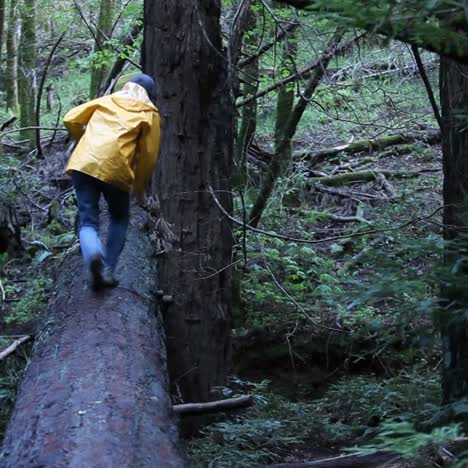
x=133, y=98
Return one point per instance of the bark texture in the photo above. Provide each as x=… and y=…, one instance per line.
x=183, y=50
x=454, y=327
x=95, y=392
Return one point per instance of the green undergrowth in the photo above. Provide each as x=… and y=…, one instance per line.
x=352, y=412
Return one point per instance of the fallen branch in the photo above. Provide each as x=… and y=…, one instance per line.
x=34, y=127
x=431, y=137
x=214, y=406
x=346, y=194
x=365, y=176
x=318, y=241
x=14, y=346
x=354, y=460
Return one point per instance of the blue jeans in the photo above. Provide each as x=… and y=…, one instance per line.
x=88, y=192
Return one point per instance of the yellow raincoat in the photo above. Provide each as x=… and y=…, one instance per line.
x=118, y=138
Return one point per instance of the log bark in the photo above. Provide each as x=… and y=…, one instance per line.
x=96, y=392
x=370, y=145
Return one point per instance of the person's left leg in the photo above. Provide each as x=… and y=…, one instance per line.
x=119, y=210
x=88, y=192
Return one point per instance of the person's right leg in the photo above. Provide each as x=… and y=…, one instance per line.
x=87, y=190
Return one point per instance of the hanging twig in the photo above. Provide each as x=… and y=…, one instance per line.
x=39, y=94
x=303, y=72
x=427, y=84
x=266, y=47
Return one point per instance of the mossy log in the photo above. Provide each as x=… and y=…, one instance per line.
x=96, y=391
x=365, y=176
x=369, y=145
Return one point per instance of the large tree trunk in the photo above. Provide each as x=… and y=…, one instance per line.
x=183, y=50
x=454, y=326
x=95, y=392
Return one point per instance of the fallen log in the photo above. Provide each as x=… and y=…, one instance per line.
x=214, y=406
x=96, y=390
x=365, y=176
x=370, y=145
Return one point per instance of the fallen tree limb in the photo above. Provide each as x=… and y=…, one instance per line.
x=365, y=176
x=431, y=137
x=214, y=406
x=95, y=392
x=345, y=194
x=14, y=346
x=354, y=460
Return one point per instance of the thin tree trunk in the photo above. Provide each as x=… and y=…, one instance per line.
x=285, y=100
x=453, y=321
x=183, y=50
x=2, y=27
x=103, y=30
x=12, y=59
x=282, y=151
x=249, y=76
x=95, y=392
x=27, y=68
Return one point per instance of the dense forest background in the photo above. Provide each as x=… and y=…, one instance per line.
x=344, y=263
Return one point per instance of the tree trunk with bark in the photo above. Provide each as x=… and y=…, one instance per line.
x=285, y=100
x=12, y=59
x=183, y=50
x=104, y=27
x=453, y=321
x=283, y=149
x=27, y=68
x=249, y=76
x=95, y=392
x=2, y=27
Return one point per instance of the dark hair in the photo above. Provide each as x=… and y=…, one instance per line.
x=146, y=82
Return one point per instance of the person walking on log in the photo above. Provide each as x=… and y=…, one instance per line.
x=118, y=138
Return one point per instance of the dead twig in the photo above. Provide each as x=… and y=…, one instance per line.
x=12, y=348
x=214, y=406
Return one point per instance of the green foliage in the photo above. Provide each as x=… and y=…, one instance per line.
x=30, y=306
x=350, y=412
x=405, y=439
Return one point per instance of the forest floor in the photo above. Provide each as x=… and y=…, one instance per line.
x=333, y=337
